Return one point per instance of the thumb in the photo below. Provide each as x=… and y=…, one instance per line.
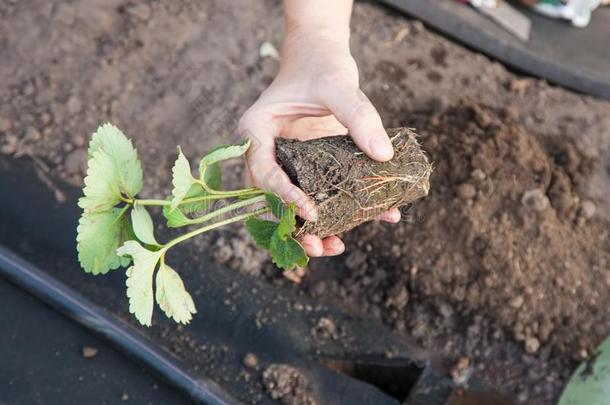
x=354, y=110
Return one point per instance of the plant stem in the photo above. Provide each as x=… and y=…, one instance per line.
x=152, y=202
x=228, y=208
x=225, y=194
x=206, y=228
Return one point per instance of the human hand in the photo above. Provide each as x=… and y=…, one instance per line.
x=315, y=94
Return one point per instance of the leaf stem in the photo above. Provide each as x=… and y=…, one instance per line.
x=228, y=208
x=151, y=202
x=225, y=194
x=206, y=228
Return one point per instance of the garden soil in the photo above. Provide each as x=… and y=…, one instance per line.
x=503, y=270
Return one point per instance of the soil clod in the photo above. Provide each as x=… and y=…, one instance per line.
x=348, y=187
x=286, y=384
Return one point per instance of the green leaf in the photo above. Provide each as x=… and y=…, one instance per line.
x=261, y=231
x=182, y=179
x=223, y=152
x=172, y=297
x=196, y=190
x=276, y=204
x=99, y=234
x=213, y=176
x=140, y=279
x=125, y=175
x=143, y=226
x=175, y=217
x=288, y=222
x=101, y=186
x=590, y=383
x=287, y=253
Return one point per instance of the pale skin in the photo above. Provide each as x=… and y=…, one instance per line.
x=316, y=93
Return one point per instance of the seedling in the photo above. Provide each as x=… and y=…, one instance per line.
x=116, y=230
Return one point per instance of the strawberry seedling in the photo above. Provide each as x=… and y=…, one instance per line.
x=116, y=230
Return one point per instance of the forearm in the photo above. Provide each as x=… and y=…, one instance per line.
x=320, y=18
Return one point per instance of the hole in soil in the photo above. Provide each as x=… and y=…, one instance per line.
x=394, y=380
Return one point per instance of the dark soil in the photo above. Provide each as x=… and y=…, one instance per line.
x=348, y=187
x=504, y=248
x=506, y=261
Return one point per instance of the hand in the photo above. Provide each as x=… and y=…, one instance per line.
x=315, y=94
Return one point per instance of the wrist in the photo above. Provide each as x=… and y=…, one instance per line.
x=311, y=37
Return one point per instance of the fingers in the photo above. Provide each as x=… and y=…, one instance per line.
x=333, y=246
x=263, y=168
x=316, y=247
x=355, y=111
x=313, y=245
x=392, y=216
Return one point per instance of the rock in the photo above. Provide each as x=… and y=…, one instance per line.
x=478, y=174
x=88, y=352
x=267, y=50
x=76, y=161
x=445, y=310
x=517, y=301
x=325, y=329
x=461, y=371
x=532, y=345
x=10, y=145
x=466, y=191
x=250, y=360
x=32, y=134
x=587, y=209
x=223, y=252
x=535, y=200
x=398, y=296
x=124, y=396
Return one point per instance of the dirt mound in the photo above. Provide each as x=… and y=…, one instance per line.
x=504, y=230
x=504, y=240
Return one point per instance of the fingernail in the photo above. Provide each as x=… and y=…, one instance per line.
x=381, y=147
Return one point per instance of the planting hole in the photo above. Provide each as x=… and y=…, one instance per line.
x=395, y=380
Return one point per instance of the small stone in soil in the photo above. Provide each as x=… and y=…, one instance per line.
x=124, y=396
x=478, y=174
x=88, y=352
x=532, y=345
x=535, y=200
x=466, y=191
x=325, y=329
x=587, y=209
x=250, y=360
x=517, y=301
x=461, y=371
